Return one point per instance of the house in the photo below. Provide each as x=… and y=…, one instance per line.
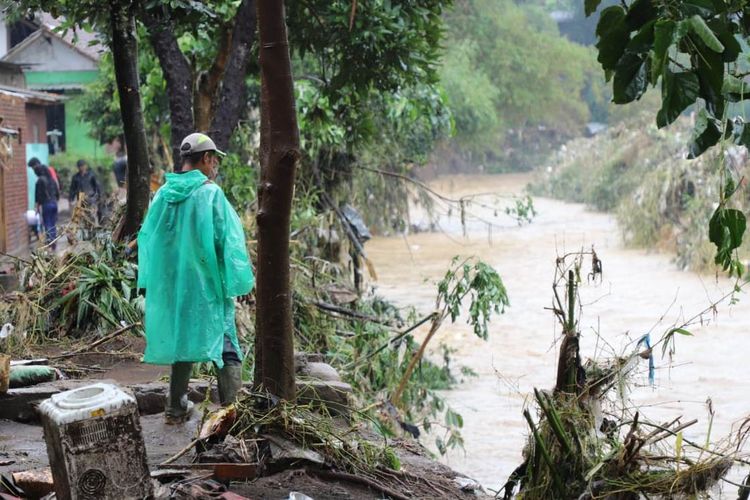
x=61, y=63
x=23, y=123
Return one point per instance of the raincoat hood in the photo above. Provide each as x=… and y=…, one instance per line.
x=179, y=186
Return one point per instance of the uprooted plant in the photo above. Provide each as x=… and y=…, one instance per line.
x=575, y=452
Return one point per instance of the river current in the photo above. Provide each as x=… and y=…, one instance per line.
x=641, y=291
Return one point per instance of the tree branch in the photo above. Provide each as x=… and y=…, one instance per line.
x=178, y=75
x=230, y=102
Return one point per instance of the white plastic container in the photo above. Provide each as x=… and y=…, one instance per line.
x=95, y=445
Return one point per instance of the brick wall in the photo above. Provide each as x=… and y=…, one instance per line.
x=36, y=121
x=14, y=195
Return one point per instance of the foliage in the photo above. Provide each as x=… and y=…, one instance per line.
x=86, y=292
x=504, y=81
x=693, y=49
x=100, y=104
x=483, y=287
x=661, y=199
x=301, y=424
x=403, y=37
x=572, y=452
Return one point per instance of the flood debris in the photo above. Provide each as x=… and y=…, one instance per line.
x=82, y=294
x=585, y=442
x=34, y=483
x=260, y=436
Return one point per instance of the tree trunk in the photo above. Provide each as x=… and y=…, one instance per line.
x=230, y=103
x=279, y=152
x=125, y=57
x=178, y=75
x=208, y=82
x=569, y=361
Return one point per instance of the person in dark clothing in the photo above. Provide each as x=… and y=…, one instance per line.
x=120, y=167
x=46, y=195
x=84, y=182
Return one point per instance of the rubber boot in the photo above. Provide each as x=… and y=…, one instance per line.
x=178, y=406
x=230, y=382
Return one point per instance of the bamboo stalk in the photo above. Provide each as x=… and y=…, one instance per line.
x=554, y=421
x=545, y=454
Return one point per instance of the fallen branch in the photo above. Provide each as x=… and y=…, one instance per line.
x=180, y=453
x=343, y=476
x=348, y=312
x=96, y=344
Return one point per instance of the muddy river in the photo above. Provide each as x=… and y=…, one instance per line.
x=641, y=291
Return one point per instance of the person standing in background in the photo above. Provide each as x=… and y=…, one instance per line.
x=120, y=168
x=84, y=183
x=46, y=195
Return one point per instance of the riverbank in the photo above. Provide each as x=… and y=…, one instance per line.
x=637, y=289
x=661, y=200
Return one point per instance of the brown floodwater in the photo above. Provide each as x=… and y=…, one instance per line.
x=641, y=291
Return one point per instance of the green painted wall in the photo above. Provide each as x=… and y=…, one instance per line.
x=77, y=140
x=49, y=79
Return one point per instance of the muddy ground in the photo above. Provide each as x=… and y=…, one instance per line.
x=22, y=445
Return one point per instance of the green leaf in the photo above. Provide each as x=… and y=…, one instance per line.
x=725, y=230
x=700, y=28
x=644, y=40
x=613, y=36
x=705, y=134
x=682, y=331
x=710, y=69
x=724, y=32
x=679, y=90
x=664, y=31
x=590, y=6
x=631, y=78
x=639, y=13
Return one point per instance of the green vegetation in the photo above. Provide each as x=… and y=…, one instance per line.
x=661, y=199
x=693, y=50
x=510, y=96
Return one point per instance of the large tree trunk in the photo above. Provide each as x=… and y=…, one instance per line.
x=178, y=75
x=231, y=101
x=279, y=152
x=125, y=57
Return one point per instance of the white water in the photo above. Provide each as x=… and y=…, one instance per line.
x=638, y=288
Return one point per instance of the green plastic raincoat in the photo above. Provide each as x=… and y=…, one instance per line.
x=192, y=260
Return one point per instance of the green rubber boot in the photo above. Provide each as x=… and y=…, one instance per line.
x=179, y=408
x=230, y=382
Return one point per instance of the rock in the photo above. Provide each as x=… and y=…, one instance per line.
x=468, y=485
x=35, y=483
x=319, y=371
x=302, y=358
x=333, y=395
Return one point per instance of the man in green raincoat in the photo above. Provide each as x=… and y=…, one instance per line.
x=192, y=262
